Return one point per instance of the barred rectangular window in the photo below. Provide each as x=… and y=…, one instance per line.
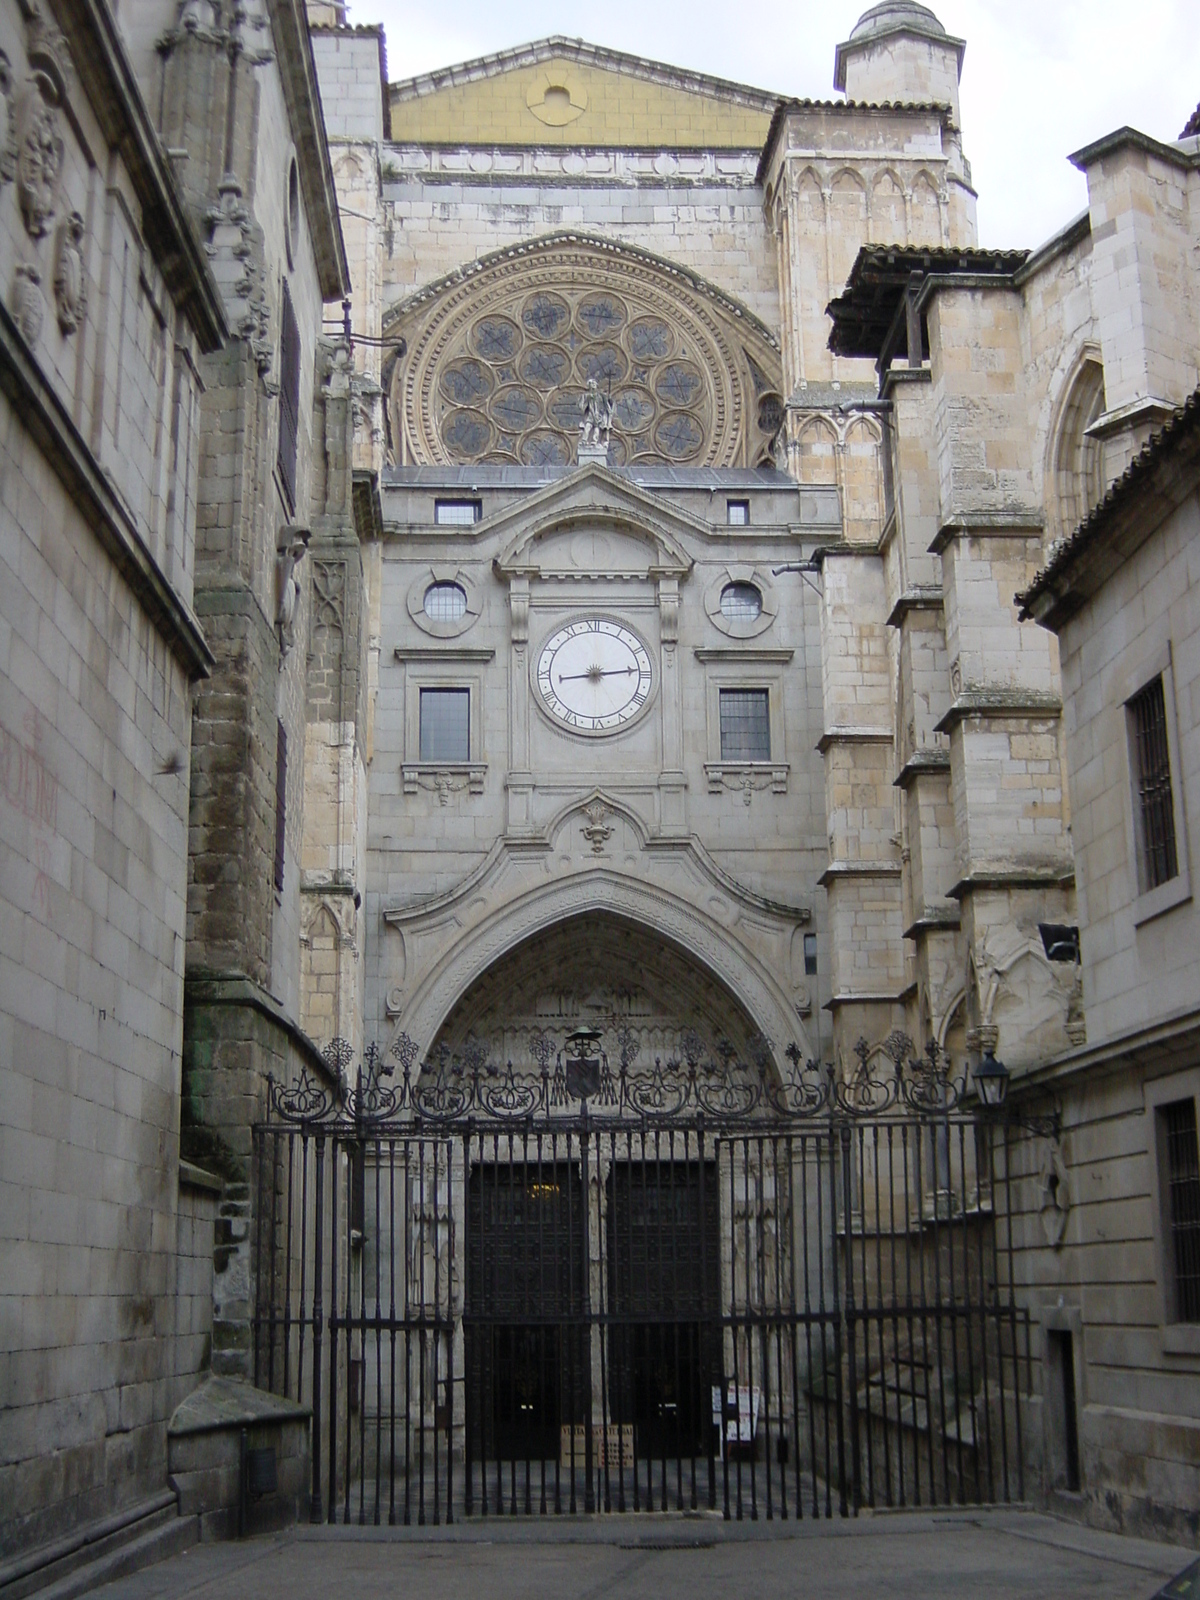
x=457, y=513
x=737, y=513
x=1155, y=800
x=1183, y=1206
x=445, y=725
x=745, y=725
x=289, y=395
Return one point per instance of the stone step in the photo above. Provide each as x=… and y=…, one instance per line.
x=138, y=1538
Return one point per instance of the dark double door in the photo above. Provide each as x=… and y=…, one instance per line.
x=539, y=1281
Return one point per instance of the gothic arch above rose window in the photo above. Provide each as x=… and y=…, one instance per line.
x=497, y=358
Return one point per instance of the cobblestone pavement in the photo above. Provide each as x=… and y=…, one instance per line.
x=969, y=1556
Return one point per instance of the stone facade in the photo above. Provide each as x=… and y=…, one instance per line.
x=842, y=440
x=110, y=311
x=1121, y=595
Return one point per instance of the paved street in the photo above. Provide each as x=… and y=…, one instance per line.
x=967, y=1556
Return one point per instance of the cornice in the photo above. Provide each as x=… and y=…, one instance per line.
x=1022, y=523
x=298, y=75
x=1021, y=877
x=852, y=735
x=758, y=654
x=999, y=703
x=920, y=764
x=847, y=871
x=448, y=652
x=921, y=597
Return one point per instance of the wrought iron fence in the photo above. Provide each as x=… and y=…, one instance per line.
x=588, y=1287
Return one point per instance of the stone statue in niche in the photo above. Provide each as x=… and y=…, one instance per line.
x=39, y=156
x=28, y=305
x=293, y=542
x=70, y=283
x=596, y=413
x=8, y=132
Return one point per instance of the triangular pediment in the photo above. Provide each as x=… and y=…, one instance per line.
x=593, y=498
x=558, y=91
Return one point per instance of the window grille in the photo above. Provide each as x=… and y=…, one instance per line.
x=445, y=725
x=741, y=602
x=745, y=725
x=457, y=513
x=289, y=395
x=1155, y=800
x=1183, y=1206
x=737, y=513
x=280, y=802
x=445, y=602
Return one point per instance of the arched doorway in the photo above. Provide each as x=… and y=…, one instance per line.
x=601, y=970
x=593, y=1257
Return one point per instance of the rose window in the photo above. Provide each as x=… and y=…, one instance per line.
x=497, y=366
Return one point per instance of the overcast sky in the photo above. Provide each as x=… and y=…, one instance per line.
x=1041, y=77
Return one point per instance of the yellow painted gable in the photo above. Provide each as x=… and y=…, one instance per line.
x=563, y=102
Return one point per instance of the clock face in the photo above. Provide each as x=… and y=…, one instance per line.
x=594, y=675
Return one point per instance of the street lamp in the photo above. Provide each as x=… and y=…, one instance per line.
x=991, y=1082
x=991, y=1085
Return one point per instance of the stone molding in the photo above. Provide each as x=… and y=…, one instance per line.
x=747, y=778
x=1020, y=524
x=576, y=169
x=758, y=655
x=920, y=764
x=509, y=918
x=1001, y=704
x=444, y=778
x=921, y=597
x=42, y=413
x=851, y=735
x=436, y=653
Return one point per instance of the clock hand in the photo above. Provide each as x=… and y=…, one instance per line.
x=596, y=672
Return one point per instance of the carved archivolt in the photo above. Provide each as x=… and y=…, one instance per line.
x=499, y=357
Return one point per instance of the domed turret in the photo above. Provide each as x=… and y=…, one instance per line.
x=899, y=51
x=894, y=15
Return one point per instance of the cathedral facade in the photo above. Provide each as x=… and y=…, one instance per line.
x=612, y=516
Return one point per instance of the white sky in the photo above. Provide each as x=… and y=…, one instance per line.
x=1041, y=77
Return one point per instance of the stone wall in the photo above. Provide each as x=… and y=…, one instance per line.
x=100, y=340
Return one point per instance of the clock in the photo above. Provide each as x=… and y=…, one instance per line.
x=594, y=675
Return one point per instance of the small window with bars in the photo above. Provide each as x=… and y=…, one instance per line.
x=1154, y=801
x=289, y=395
x=445, y=724
x=737, y=513
x=457, y=513
x=1181, y=1208
x=745, y=725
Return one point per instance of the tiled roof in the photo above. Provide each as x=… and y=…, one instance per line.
x=864, y=312
x=1173, y=438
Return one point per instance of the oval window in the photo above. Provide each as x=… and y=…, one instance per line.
x=741, y=602
x=292, y=230
x=445, y=602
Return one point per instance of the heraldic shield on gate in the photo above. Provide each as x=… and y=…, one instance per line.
x=702, y=1283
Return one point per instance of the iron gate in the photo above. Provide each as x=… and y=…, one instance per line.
x=701, y=1286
